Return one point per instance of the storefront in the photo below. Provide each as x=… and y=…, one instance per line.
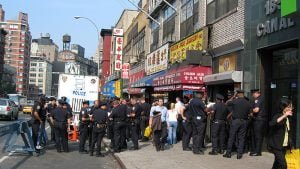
x=272, y=54
x=227, y=76
x=178, y=81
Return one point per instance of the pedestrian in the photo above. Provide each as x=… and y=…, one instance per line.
x=99, y=119
x=84, y=121
x=279, y=136
x=119, y=116
x=178, y=106
x=37, y=122
x=158, y=123
x=240, y=112
x=59, y=118
x=172, y=117
x=144, y=122
x=260, y=116
x=50, y=107
x=218, y=127
x=198, y=110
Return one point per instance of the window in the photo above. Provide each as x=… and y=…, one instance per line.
x=33, y=64
x=186, y=9
x=169, y=12
x=41, y=64
x=40, y=74
x=32, y=80
x=13, y=26
x=33, y=69
x=41, y=70
x=40, y=80
x=20, y=86
x=189, y=17
x=218, y=8
x=32, y=75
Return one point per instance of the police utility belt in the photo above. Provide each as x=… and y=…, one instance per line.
x=100, y=125
x=218, y=121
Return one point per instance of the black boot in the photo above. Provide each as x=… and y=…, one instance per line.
x=91, y=153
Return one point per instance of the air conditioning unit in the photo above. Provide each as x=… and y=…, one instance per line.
x=133, y=60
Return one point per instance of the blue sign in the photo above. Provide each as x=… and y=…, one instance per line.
x=109, y=89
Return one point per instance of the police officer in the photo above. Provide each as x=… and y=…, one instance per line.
x=198, y=110
x=259, y=121
x=59, y=118
x=187, y=128
x=67, y=105
x=99, y=119
x=146, y=107
x=240, y=111
x=84, y=120
x=218, y=128
x=134, y=115
x=91, y=125
x=119, y=116
x=50, y=107
x=37, y=120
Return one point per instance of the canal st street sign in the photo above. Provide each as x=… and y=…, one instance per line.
x=276, y=23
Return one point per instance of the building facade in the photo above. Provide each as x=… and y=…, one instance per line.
x=17, y=48
x=41, y=76
x=104, y=67
x=44, y=47
x=271, y=60
x=2, y=51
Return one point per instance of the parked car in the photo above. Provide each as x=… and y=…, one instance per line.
x=27, y=109
x=8, y=109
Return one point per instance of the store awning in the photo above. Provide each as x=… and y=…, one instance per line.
x=190, y=74
x=225, y=77
x=146, y=81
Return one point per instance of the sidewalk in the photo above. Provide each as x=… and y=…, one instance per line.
x=174, y=158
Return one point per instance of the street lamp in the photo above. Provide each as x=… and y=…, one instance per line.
x=98, y=35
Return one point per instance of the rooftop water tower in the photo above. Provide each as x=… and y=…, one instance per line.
x=66, y=42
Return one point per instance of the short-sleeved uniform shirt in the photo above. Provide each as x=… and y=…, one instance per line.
x=38, y=107
x=197, y=108
x=60, y=115
x=84, y=113
x=100, y=116
x=259, y=102
x=240, y=108
x=220, y=111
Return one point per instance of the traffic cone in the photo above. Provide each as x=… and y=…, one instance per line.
x=75, y=134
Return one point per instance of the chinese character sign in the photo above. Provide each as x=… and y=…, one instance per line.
x=118, y=52
x=157, y=60
x=125, y=71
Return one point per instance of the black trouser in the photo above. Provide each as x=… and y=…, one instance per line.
x=143, y=124
x=279, y=161
x=83, y=129
x=35, y=131
x=60, y=129
x=119, y=135
x=187, y=134
x=218, y=130
x=134, y=134
x=52, y=130
x=160, y=136
x=238, y=129
x=98, y=134
x=179, y=132
x=198, y=133
x=90, y=135
x=110, y=134
x=258, y=132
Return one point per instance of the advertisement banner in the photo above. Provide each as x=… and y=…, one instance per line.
x=197, y=41
x=118, y=88
x=125, y=71
x=157, y=60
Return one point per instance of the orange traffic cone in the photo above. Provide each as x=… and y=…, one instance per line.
x=74, y=134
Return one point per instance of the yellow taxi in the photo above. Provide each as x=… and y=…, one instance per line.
x=27, y=109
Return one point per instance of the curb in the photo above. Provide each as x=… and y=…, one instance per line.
x=117, y=158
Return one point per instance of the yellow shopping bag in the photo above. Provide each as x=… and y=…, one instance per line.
x=293, y=159
x=147, y=132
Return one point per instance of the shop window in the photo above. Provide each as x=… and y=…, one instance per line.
x=218, y=8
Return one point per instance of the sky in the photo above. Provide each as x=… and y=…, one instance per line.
x=56, y=17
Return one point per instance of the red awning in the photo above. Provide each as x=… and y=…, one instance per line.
x=184, y=75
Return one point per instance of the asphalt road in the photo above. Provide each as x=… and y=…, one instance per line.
x=50, y=159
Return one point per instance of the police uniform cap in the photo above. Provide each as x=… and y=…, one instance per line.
x=255, y=90
x=85, y=102
x=102, y=104
x=219, y=96
x=60, y=101
x=240, y=91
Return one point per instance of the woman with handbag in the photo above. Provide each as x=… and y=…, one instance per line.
x=279, y=134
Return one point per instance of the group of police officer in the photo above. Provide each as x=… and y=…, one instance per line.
x=123, y=120
x=231, y=121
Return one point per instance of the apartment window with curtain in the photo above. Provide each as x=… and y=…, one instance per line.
x=169, y=23
x=218, y=8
